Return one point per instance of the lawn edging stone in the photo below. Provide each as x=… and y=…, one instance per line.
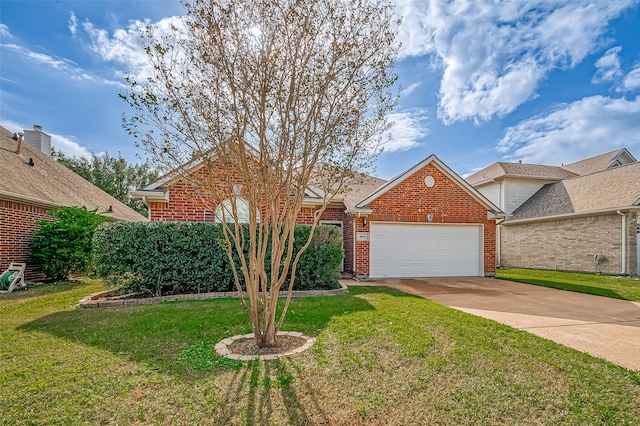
x=105, y=299
x=222, y=347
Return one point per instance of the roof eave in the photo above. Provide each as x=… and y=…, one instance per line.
x=157, y=196
x=359, y=210
x=11, y=196
x=573, y=215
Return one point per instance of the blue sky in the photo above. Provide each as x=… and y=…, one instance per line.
x=543, y=81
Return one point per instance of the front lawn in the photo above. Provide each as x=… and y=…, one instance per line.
x=624, y=288
x=381, y=357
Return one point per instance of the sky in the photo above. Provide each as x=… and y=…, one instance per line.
x=537, y=81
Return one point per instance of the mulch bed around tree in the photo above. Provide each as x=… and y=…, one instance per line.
x=283, y=345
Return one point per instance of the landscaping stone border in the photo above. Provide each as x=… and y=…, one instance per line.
x=104, y=299
x=222, y=347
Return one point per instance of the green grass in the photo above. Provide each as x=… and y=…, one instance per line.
x=381, y=357
x=625, y=288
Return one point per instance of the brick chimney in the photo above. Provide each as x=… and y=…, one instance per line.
x=39, y=139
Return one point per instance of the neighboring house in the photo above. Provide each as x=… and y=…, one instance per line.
x=31, y=184
x=427, y=221
x=582, y=216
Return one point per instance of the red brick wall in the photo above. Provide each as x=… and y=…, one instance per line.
x=412, y=201
x=184, y=206
x=17, y=224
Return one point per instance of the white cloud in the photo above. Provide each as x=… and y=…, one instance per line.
x=608, y=66
x=407, y=130
x=632, y=79
x=73, y=24
x=4, y=31
x=68, y=68
x=406, y=91
x=67, y=144
x=494, y=54
x=123, y=46
x=591, y=126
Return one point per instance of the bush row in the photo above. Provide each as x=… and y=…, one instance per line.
x=164, y=258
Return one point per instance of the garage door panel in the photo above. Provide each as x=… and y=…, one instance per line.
x=421, y=250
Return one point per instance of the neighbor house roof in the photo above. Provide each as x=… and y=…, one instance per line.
x=534, y=171
x=611, y=189
x=595, y=164
x=601, y=162
x=49, y=184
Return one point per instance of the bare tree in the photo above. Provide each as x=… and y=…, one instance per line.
x=255, y=101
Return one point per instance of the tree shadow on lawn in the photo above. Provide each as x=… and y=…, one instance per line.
x=178, y=337
x=40, y=290
x=282, y=375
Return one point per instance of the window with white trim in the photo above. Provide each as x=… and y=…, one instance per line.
x=242, y=209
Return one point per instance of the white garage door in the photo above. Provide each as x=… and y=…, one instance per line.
x=425, y=250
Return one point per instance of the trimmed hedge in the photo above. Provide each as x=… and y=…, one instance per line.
x=164, y=258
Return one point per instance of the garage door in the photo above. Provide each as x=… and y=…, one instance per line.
x=425, y=250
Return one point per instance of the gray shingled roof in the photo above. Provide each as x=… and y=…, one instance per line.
x=618, y=187
x=50, y=184
x=361, y=190
x=594, y=164
x=502, y=169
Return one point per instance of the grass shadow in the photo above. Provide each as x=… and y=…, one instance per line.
x=177, y=337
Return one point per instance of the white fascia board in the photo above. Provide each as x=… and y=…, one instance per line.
x=153, y=196
x=599, y=212
x=19, y=198
x=174, y=174
x=359, y=211
x=622, y=152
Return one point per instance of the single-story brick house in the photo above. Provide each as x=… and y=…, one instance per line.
x=583, y=216
x=31, y=184
x=427, y=221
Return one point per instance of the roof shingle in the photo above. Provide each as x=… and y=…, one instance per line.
x=618, y=187
x=49, y=183
x=502, y=169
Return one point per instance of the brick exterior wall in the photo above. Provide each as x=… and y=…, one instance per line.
x=570, y=244
x=17, y=224
x=184, y=206
x=412, y=201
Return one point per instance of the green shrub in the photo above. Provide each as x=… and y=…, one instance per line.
x=63, y=246
x=163, y=258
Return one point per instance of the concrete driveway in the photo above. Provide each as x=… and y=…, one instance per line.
x=603, y=327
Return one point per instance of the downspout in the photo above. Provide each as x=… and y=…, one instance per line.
x=624, y=242
x=144, y=201
x=499, y=242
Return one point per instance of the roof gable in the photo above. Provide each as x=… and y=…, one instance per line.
x=435, y=161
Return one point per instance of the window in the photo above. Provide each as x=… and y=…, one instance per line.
x=242, y=208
